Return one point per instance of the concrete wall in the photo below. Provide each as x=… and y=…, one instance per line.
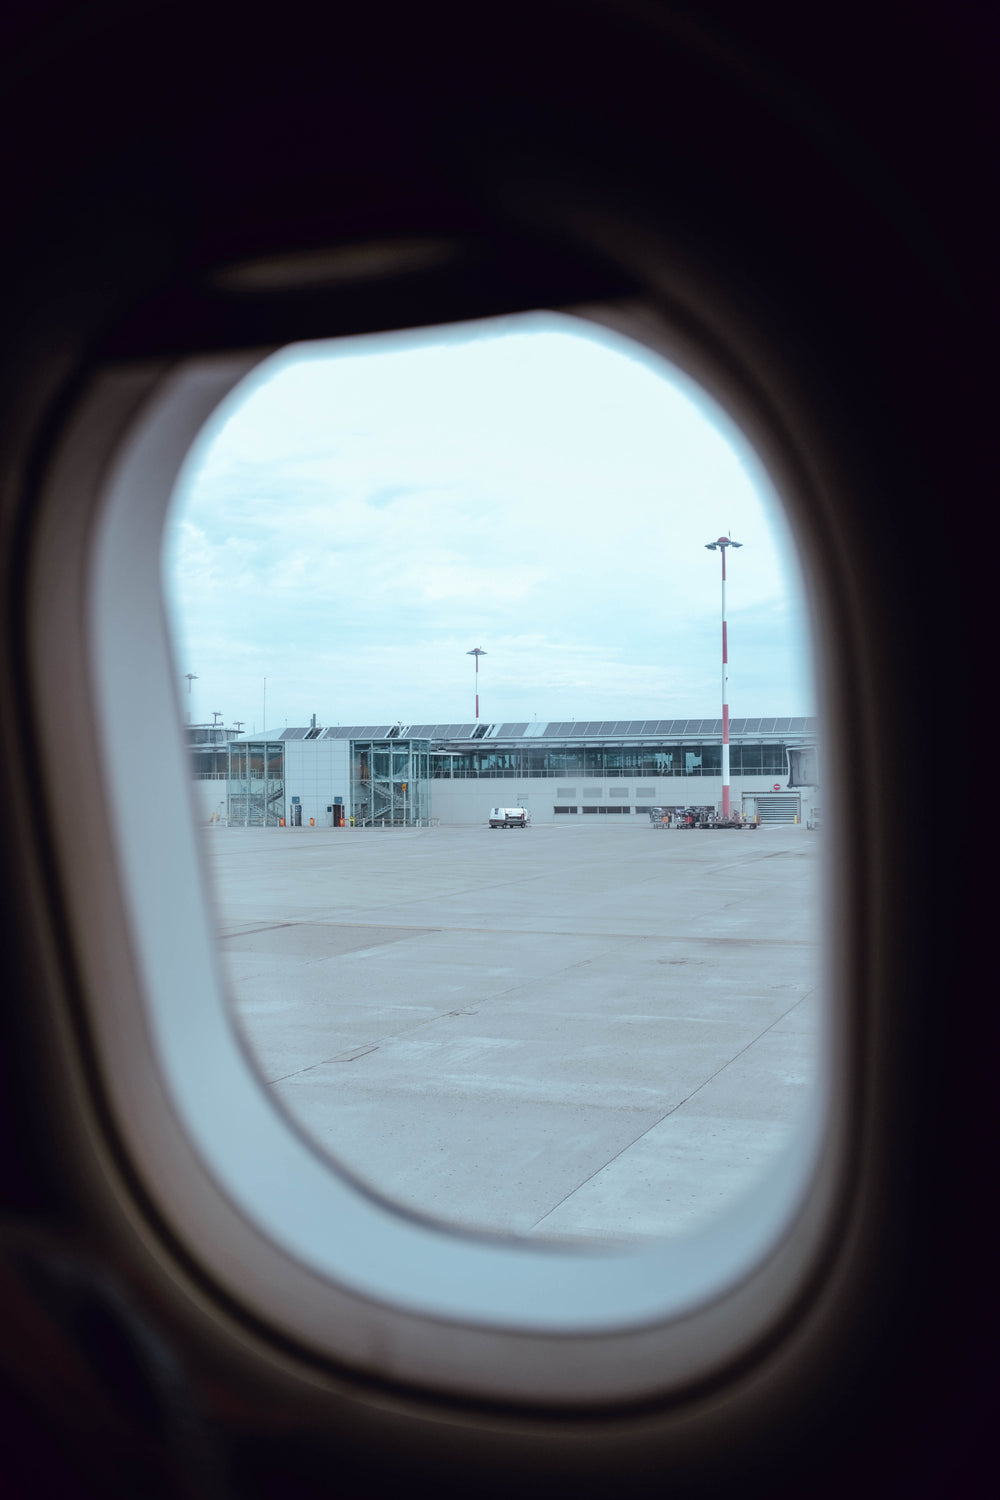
x=468, y=800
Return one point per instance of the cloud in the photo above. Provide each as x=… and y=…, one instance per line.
x=367, y=510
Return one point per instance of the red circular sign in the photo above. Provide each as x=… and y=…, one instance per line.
x=777, y=786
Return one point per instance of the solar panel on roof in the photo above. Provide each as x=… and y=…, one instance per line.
x=768, y=726
x=293, y=734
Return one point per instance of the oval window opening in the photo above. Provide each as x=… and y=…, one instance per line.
x=496, y=672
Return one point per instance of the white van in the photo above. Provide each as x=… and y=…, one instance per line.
x=508, y=817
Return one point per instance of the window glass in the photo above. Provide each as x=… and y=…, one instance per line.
x=404, y=567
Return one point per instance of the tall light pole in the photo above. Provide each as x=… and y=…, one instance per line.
x=721, y=544
x=477, y=652
x=191, y=677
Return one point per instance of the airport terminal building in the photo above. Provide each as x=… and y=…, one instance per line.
x=396, y=774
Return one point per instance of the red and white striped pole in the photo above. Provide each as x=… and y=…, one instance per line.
x=477, y=652
x=722, y=543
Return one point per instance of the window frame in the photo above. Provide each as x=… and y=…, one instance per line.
x=470, y=1314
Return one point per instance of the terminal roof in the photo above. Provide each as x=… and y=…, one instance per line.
x=576, y=729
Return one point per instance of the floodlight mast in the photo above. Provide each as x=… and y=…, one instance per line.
x=191, y=677
x=477, y=652
x=720, y=544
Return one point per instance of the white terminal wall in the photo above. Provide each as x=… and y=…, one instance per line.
x=317, y=771
x=469, y=799
x=209, y=798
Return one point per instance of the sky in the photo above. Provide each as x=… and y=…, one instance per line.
x=360, y=513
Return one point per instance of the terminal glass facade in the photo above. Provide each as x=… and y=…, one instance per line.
x=255, y=785
x=389, y=781
x=612, y=760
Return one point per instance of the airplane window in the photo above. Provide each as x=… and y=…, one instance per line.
x=418, y=584
x=433, y=1078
